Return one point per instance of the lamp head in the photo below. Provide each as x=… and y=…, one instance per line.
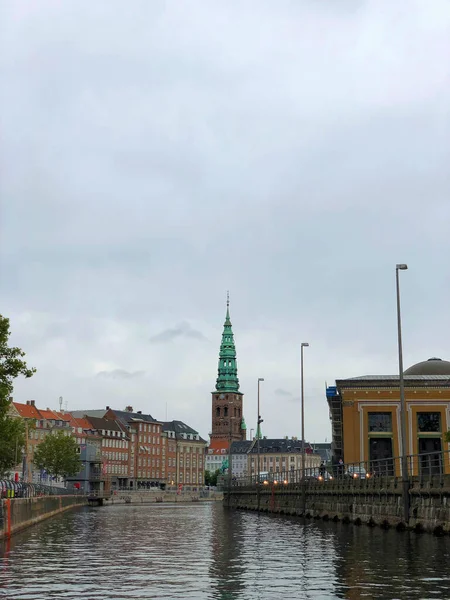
x=260, y=378
x=401, y=267
x=305, y=344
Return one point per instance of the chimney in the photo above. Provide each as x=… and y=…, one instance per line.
x=129, y=409
x=28, y=402
x=32, y=402
x=139, y=412
x=107, y=408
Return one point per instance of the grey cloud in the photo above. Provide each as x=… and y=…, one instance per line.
x=181, y=330
x=281, y=392
x=182, y=149
x=120, y=374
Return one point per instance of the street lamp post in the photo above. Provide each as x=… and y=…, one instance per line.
x=258, y=435
x=303, y=345
x=403, y=450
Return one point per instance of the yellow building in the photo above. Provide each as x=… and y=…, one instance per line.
x=365, y=417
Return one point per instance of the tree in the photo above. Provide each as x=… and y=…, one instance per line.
x=12, y=440
x=12, y=431
x=211, y=478
x=58, y=455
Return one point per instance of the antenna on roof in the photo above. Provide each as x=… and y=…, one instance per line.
x=60, y=403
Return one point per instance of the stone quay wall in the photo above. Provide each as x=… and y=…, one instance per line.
x=147, y=497
x=429, y=507
x=18, y=513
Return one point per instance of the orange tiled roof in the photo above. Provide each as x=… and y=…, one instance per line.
x=50, y=415
x=84, y=423
x=217, y=446
x=63, y=416
x=27, y=411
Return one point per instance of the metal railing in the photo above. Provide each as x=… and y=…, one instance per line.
x=19, y=489
x=431, y=468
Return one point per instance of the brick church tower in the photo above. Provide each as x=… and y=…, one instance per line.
x=228, y=422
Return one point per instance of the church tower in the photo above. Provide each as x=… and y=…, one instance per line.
x=228, y=422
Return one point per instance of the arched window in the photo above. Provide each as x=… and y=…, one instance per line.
x=225, y=411
x=235, y=411
x=218, y=411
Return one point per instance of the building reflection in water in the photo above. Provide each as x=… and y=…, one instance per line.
x=390, y=564
x=227, y=567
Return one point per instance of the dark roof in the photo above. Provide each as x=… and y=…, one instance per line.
x=241, y=447
x=323, y=449
x=179, y=428
x=126, y=417
x=279, y=445
x=432, y=366
x=106, y=424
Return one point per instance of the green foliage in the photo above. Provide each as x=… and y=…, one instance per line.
x=211, y=478
x=447, y=437
x=11, y=365
x=58, y=455
x=12, y=440
x=12, y=431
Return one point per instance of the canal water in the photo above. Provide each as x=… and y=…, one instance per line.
x=203, y=551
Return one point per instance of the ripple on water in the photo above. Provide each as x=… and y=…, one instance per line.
x=205, y=552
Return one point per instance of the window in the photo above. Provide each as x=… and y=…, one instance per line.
x=380, y=422
x=429, y=422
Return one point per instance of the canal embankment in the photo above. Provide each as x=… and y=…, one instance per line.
x=18, y=513
x=429, y=506
x=146, y=497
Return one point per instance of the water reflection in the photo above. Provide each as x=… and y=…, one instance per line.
x=207, y=552
x=226, y=571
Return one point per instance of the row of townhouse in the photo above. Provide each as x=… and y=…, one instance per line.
x=38, y=424
x=118, y=449
x=275, y=456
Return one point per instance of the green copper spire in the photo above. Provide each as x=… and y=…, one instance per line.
x=227, y=380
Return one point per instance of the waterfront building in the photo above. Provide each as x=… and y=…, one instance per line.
x=24, y=468
x=216, y=456
x=90, y=478
x=323, y=449
x=239, y=458
x=365, y=417
x=227, y=421
x=114, y=451
x=280, y=456
x=145, y=456
x=187, y=448
x=38, y=424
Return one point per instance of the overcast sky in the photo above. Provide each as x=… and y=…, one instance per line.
x=155, y=154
